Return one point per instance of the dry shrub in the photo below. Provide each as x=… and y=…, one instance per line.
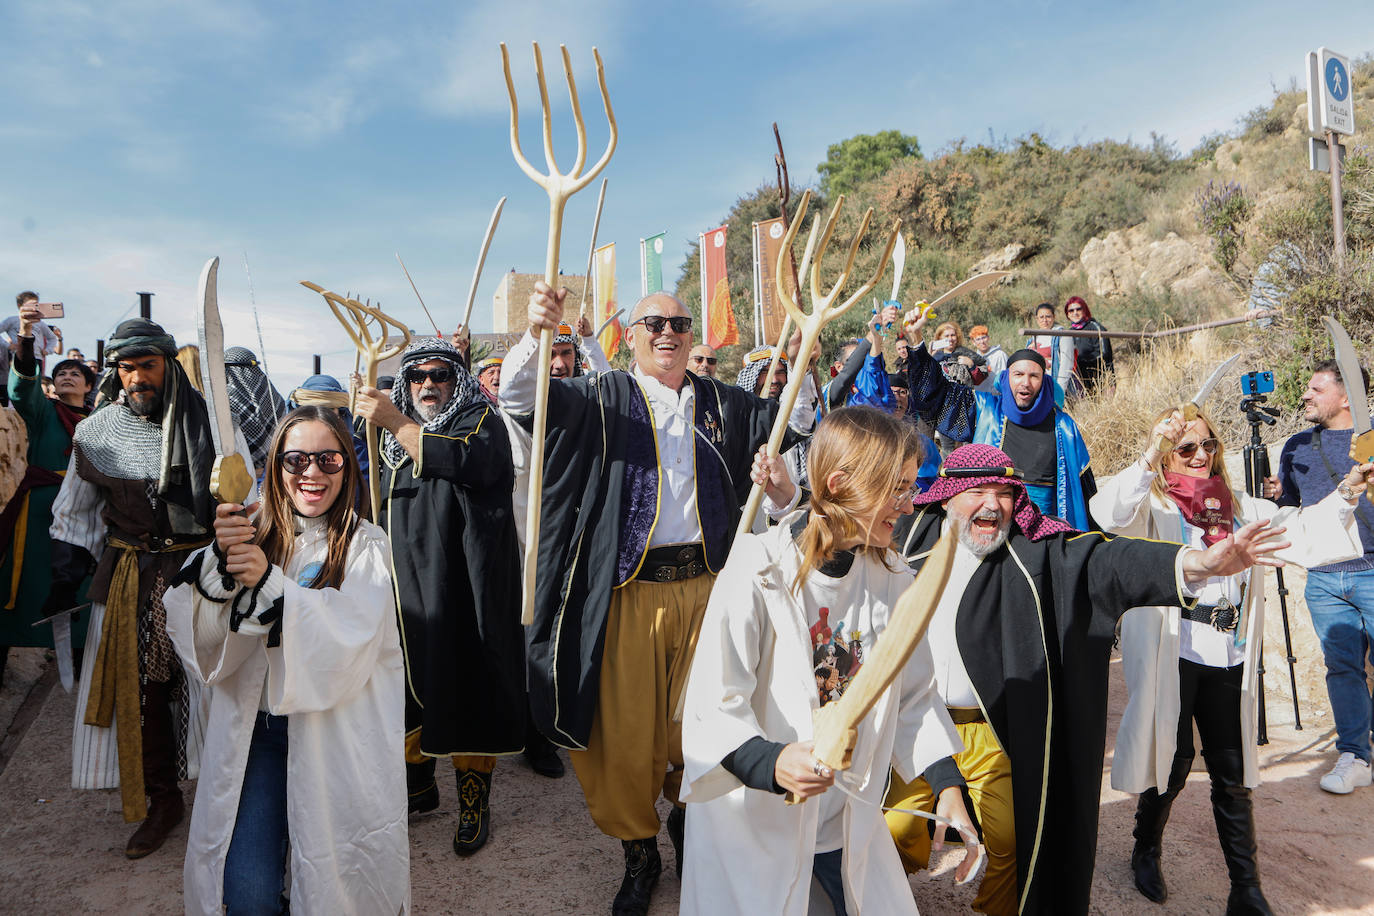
x=1116, y=419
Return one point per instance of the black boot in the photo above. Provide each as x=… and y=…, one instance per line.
x=542, y=755
x=421, y=788
x=1234, y=814
x=166, y=807
x=642, y=867
x=1151, y=814
x=677, y=830
x=474, y=812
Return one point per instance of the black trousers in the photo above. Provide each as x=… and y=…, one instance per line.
x=1211, y=697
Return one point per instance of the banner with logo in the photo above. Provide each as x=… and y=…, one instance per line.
x=651, y=264
x=717, y=314
x=603, y=301
x=768, y=235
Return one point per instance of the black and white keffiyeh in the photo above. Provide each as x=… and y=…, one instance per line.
x=465, y=390
x=253, y=401
x=755, y=361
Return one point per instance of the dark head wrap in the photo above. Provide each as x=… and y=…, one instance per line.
x=188, y=451
x=253, y=401
x=977, y=465
x=465, y=389
x=755, y=362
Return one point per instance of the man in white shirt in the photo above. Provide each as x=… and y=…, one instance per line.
x=644, y=477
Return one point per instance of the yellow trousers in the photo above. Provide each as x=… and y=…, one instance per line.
x=460, y=761
x=988, y=773
x=634, y=752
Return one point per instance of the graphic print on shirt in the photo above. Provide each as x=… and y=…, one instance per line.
x=307, y=575
x=835, y=659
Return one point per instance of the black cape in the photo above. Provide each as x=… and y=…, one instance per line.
x=457, y=569
x=1035, y=630
x=596, y=443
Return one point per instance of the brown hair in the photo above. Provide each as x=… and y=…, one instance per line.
x=27, y=295
x=868, y=447
x=189, y=357
x=277, y=521
x=1218, y=466
x=958, y=334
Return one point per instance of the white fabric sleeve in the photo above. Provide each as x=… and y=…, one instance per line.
x=273, y=587
x=596, y=356
x=803, y=417
x=1187, y=595
x=775, y=511
x=198, y=625
x=519, y=376
x=1122, y=502
x=76, y=513
x=925, y=732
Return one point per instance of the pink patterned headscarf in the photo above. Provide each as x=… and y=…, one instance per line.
x=960, y=472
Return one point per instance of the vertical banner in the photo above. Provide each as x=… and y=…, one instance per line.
x=768, y=236
x=651, y=264
x=603, y=305
x=716, y=312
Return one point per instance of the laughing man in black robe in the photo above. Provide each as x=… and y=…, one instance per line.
x=1034, y=609
x=446, y=504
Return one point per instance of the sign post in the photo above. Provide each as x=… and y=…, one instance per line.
x=1331, y=110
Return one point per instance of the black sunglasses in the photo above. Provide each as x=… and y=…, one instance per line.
x=1189, y=449
x=331, y=461
x=708, y=360
x=656, y=323
x=440, y=376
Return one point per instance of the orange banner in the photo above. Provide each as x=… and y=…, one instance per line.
x=603, y=302
x=768, y=236
x=716, y=311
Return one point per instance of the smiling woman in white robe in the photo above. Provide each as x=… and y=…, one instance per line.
x=328, y=659
x=755, y=684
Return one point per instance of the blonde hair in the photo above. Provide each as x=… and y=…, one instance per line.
x=958, y=334
x=189, y=357
x=1218, y=466
x=868, y=447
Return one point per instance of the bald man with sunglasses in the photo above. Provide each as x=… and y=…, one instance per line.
x=645, y=475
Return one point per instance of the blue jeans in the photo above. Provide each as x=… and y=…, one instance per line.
x=1342, y=608
x=255, y=866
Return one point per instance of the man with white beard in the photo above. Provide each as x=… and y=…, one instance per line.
x=1021, y=639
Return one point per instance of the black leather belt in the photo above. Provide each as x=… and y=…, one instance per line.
x=963, y=716
x=1223, y=617
x=672, y=563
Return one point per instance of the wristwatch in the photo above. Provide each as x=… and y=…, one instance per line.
x=1344, y=490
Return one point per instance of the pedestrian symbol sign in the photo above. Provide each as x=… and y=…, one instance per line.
x=1336, y=108
x=1337, y=82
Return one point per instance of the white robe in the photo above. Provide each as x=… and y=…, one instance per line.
x=338, y=675
x=746, y=850
x=1147, y=737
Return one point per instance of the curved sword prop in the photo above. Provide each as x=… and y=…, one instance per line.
x=1362, y=438
x=1191, y=409
x=231, y=480
x=481, y=259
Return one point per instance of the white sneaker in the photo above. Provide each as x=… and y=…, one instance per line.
x=1349, y=774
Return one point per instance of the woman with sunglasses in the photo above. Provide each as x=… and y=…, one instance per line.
x=1200, y=663
x=289, y=618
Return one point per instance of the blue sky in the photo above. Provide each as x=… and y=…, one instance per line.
x=144, y=136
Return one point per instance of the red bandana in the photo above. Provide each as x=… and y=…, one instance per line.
x=1205, y=503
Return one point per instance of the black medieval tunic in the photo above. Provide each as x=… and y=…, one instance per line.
x=1035, y=630
x=458, y=586
x=600, y=502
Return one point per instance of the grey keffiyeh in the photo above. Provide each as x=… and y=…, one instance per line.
x=253, y=401
x=755, y=362
x=465, y=390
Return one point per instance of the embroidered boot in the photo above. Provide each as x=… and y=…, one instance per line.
x=1234, y=813
x=474, y=812
x=421, y=788
x=1151, y=814
x=166, y=807
x=642, y=868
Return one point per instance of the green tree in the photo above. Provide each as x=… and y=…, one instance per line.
x=863, y=157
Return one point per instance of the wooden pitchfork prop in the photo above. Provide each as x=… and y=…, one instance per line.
x=560, y=186
x=823, y=311
x=354, y=316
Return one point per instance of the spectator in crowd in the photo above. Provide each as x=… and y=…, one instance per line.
x=1092, y=355
x=702, y=360
x=1340, y=596
x=1056, y=351
x=994, y=354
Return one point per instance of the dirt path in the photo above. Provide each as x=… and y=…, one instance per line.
x=61, y=851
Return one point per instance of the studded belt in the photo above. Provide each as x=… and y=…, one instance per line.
x=672, y=563
x=1223, y=617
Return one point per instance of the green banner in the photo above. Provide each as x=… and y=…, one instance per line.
x=651, y=264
